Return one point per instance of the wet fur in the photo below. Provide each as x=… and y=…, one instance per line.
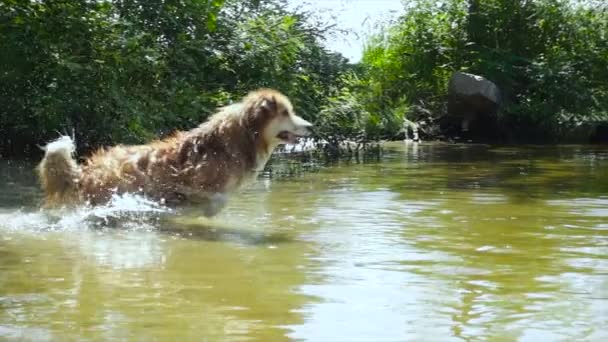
x=201, y=166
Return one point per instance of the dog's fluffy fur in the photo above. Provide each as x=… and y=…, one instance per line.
x=200, y=166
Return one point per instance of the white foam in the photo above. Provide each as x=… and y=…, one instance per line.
x=129, y=211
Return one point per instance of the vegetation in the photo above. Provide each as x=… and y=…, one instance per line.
x=128, y=70
x=548, y=57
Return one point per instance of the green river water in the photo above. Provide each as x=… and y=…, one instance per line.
x=430, y=242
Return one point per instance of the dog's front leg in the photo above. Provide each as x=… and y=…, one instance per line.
x=207, y=204
x=215, y=203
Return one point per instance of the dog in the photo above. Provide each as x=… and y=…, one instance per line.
x=202, y=166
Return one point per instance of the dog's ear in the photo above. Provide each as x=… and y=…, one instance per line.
x=268, y=104
x=259, y=107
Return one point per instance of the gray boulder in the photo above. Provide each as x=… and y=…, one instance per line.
x=473, y=102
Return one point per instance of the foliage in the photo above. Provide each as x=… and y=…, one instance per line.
x=128, y=70
x=343, y=117
x=549, y=57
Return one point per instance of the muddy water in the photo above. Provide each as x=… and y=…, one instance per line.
x=429, y=243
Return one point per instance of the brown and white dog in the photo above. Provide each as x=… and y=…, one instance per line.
x=201, y=166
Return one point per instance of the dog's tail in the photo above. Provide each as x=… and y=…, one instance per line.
x=59, y=172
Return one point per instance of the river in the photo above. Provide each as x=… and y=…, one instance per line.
x=430, y=242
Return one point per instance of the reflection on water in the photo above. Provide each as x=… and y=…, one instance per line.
x=433, y=242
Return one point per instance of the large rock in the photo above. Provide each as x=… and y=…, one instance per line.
x=473, y=102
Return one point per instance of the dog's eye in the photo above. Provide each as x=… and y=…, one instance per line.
x=284, y=112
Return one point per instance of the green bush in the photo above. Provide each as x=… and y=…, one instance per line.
x=548, y=57
x=128, y=70
x=342, y=118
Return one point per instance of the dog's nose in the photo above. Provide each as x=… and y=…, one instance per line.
x=299, y=122
x=301, y=126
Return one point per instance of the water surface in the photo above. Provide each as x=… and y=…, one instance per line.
x=429, y=243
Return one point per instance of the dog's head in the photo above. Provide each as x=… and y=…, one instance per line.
x=273, y=118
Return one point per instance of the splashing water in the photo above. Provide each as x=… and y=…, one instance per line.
x=123, y=211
